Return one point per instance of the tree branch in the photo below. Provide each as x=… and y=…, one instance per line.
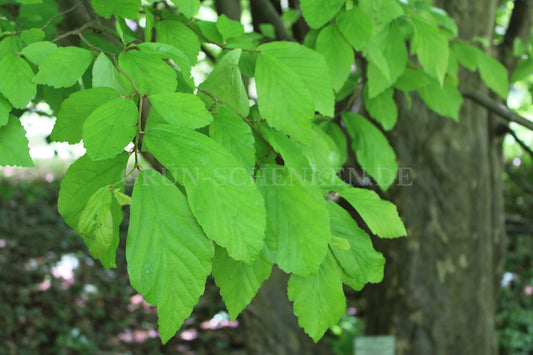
x=270, y=13
x=496, y=108
x=521, y=143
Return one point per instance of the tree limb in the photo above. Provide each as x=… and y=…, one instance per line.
x=270, y=13
x=496, y=108
x=521, y=143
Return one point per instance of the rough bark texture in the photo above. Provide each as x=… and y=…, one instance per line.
x=441, y=283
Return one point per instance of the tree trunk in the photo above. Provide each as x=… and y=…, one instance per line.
x=441, y=283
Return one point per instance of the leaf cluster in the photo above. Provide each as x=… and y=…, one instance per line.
x=248, y=181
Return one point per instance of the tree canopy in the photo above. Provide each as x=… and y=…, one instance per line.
x=240, y=170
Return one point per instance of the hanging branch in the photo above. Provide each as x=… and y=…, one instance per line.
x=521, y=143
x=270, y=13
x=496, y=108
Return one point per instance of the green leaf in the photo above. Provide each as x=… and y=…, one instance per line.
x=230, y=131
x=356, y=27
x=16, y=84
x=110, y=128
x=38, y=51
x=238, y=281
x=180, y=36
x=360, y=263
x=339, y=243
x=75, y=110
x=381, y=11
x=5, y=109
x=315, y=163
x=167, y=51
x=338, y=137
x=121, y=198
x=95, y=225
x=221, y=192
x=225, y=83
x=523, y=70
x=82, y=180
x=229, y=28
x=32, y=35
x=317, y=12
x=373, y=151
x=494, y=74
x=14, y=148
x=182, y=110
x=319, y=300
x=290, y=150
x=380, y=216
x=297, y=232
x=9, y=45
x=123, y=8
x=388, y=57
x=168, y=254
x=106, y=75
x=310, y=67
x=382, y=108
x=431, y=47
x=284, y=100
x=338, y=54
x=150, y=74
x=412, y=79
x=444, y=21
x=467, y=55
x=445, y=100
x=63, y=67
x=189, y=8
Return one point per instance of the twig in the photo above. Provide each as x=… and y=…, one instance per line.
x=496, y=108
x=520, y=142
x=61, y=14
x=75, y=32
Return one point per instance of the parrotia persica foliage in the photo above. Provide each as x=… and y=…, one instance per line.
x=248, y=181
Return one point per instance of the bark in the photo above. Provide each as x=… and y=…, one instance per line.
x=440, y=289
